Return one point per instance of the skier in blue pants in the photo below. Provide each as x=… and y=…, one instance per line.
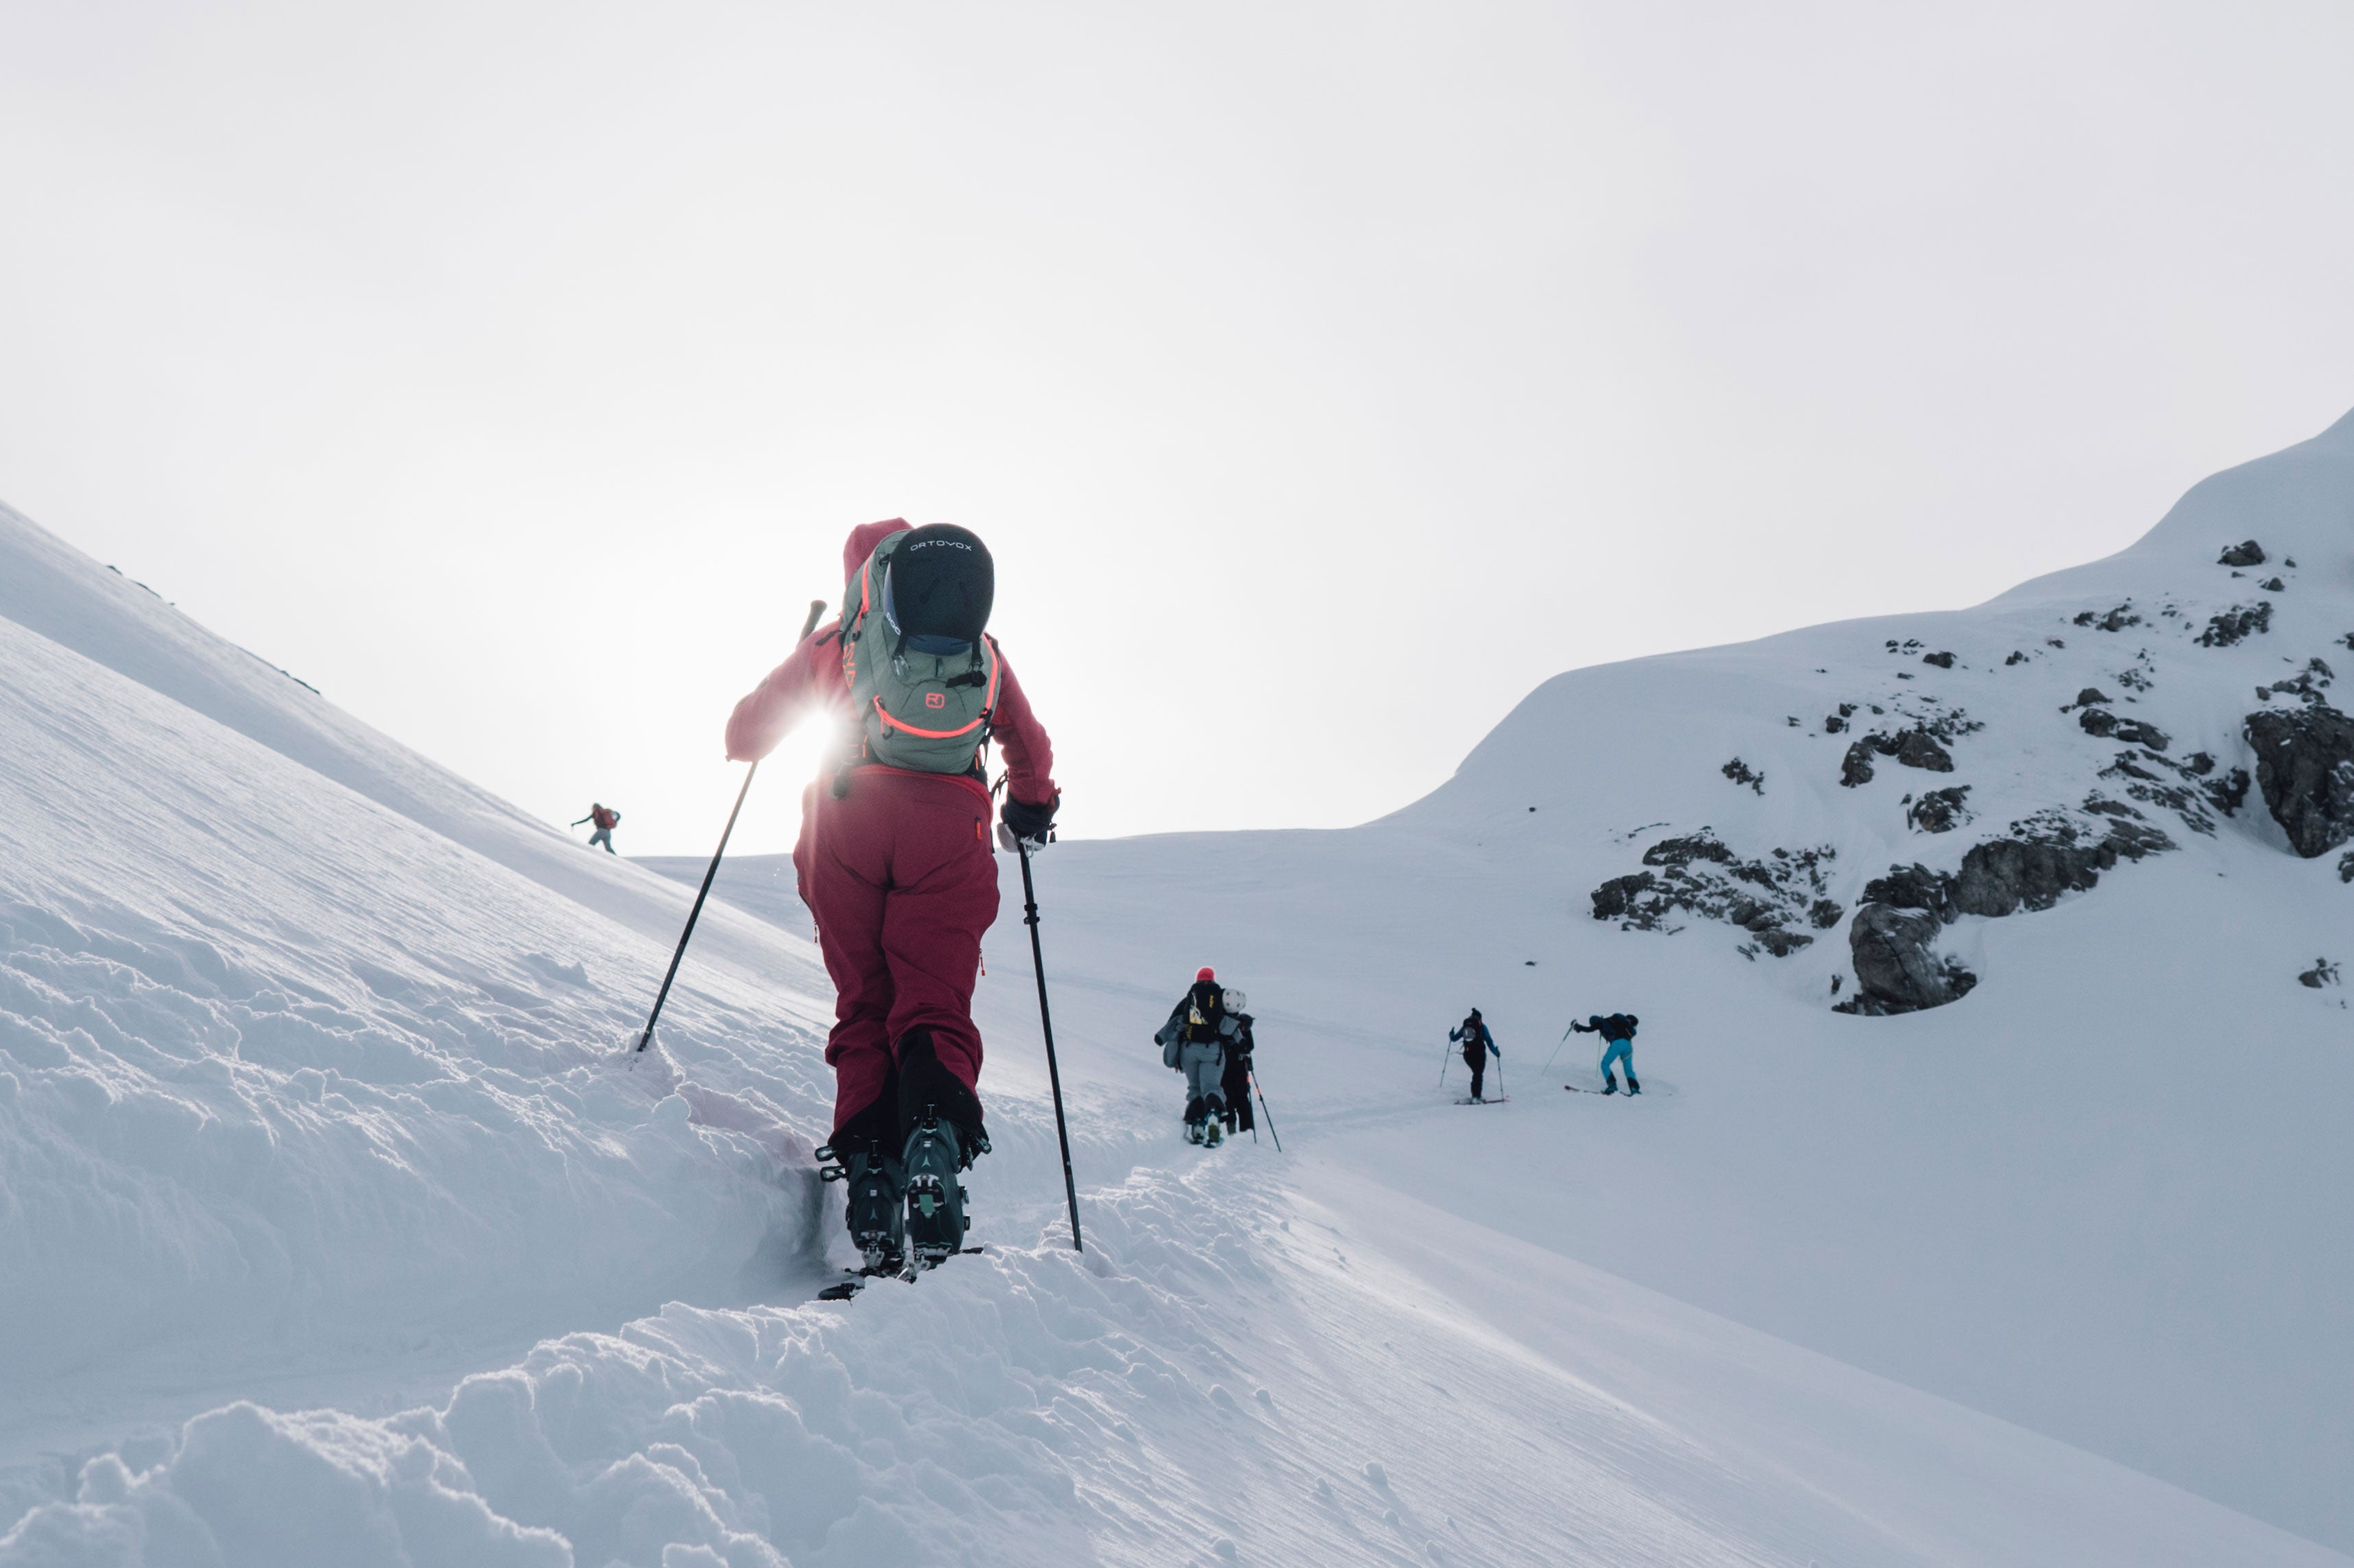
x=1618, y=1031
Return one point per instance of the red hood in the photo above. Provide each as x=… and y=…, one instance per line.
x=862, y=542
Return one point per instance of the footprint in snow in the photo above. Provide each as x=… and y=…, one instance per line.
x=1375, y=1474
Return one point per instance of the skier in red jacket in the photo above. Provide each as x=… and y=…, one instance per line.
x=606, y=820
x=895, y=865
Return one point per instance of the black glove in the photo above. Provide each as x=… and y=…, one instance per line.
x=1027, y=823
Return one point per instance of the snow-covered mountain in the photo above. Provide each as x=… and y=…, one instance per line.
x=337, y=1228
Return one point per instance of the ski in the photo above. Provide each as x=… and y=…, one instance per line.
x=1604, y=1094
x=1488, y=1101
x=860, y=1279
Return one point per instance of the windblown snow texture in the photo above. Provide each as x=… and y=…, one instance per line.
x=334, y=1231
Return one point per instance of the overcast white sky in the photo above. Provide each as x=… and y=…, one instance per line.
x=1323, y=375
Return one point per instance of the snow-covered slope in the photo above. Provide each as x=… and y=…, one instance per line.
x=2107, y=1194
x=309, y=1104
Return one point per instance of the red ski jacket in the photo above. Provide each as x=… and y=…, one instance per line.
x=811, y=680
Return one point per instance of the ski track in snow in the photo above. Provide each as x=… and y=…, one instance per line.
x=335, y=1226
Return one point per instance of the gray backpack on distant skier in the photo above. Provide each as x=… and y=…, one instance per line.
x=923, y=702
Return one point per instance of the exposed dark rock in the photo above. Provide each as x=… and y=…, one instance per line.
x=2322, y=973
x=1897, y=968
x=2247, y=553
x=2016, y=657
x=2101, y=722
x=2306, y=687
x=2273, y=584
x=1943, y=661
x=2090, y=695
x=1918, y=749
x=1825, y=913
x=2230, y=792
x=1938, y=810
x=2305, y=768
x=1914, y=747
x=2345, y=868
x=2236, y=623
x=2003, y=876
x=1740, y=772
x=1680, y=852
x=2115, y=619
x=1613, y=898
x=1697, y=874
x=1833, y=724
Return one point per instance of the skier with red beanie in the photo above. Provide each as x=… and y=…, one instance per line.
x=895, y=863
x=1194, y=1042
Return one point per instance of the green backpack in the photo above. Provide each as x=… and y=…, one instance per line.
x=928, y=711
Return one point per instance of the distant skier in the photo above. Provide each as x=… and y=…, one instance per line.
x=895, y=863
x=1618, y=1031
x=1477, y=1043
x=1195, y=1042
x=1234, y=1080
x=607, y=820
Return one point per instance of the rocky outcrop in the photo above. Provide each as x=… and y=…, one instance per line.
x=1916, y=748
x=2304, y=770
x=1897, y=969
x=2247, y=552
x=2240, y=622
x=2101, y=722
x=1697, y=874
x=1938, y=810
x=1893, y=936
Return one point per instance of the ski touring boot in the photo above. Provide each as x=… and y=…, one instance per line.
x=1610, y=1083
x=935, y=1211
x=1632, y=1086
x=1214, y=1133
x=876, y=1212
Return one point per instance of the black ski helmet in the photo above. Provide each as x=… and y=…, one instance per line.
x=940, y=582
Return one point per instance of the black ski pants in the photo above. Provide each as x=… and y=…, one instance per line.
x=1478, y=1063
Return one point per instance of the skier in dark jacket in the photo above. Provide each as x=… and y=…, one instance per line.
x=1618, y=1031
x=1195, y=1042
x=1235, y=1082
x=606, y=820
x=1477, y=1043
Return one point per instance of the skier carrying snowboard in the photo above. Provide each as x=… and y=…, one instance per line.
x=1619, y=1030
x=1235, y=1080
x=1195, y=1042
x=895, y=863
x=606, y=820
x=1477, y=1043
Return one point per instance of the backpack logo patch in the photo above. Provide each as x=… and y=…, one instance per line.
x=935, y=699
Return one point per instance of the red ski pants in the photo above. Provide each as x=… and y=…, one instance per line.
x=899, y=875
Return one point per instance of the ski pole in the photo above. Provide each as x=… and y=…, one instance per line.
x=1265, y=1112
x=1556, y=1052
x=1444, y=1053
x=816, y=609
x=1046, y=1025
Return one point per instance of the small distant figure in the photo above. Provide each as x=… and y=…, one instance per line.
x=1195, y=1042
x=1477, y=1043
x=1234, y=1081
x=607, y=820
x=1618, y=1031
